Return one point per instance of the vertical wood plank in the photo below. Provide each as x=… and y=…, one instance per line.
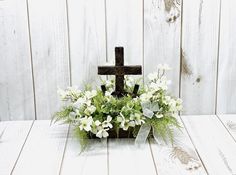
x=125, y=28
x=226, y=98
x=199, y=55
x=11, y=143
x=16, y=84
x=48, y=26
x=43, y=150
x=93, y=160
x=213, y=142
x=87, y=39
x=162, y=24
x=125, y=158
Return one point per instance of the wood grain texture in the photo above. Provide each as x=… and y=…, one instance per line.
x=43, y=151
x=162, y=24
x=125, y=28
x=48, y=26
x=227, y=59
x=125, y=158
x=229, y=120
x=91, y=161
x=213, y=143
x=181, y=158
x=87, y=40
x=11, y=143
x=199, y=55
x=16, y=84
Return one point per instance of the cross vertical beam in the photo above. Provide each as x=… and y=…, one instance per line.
x=119, y=70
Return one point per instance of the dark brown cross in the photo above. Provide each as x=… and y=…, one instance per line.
x=119, y=70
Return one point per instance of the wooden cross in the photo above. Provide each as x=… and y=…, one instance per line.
x=119, y=70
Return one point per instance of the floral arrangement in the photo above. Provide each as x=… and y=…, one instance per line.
x=152, y=113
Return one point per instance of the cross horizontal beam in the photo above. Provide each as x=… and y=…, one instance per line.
x=119, y=70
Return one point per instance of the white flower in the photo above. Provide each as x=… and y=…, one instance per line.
x=146, y=96
x=153, y=76
x=90, y=109
x=128, y=124
x=159, y=115
x=80, y=102
x=102, y=133
x=72, y=115
x=129, y=81
x=63, y=94
x=96, y=126
x=137, y=118
x=108, y=93
x=90, y=94
x=85, y=123
x=125, y=123
x=106, y=123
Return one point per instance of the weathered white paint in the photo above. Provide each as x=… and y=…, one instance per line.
x=227, y=59
x=213, y=143
x=11, y=143
x=43, y=151
x=93, y=160
x=229, y=121
x=162, y=38
x=48, y=26
x=199, y=55
x=181, y=158
x=16, y=84
x=87, y=39
x=125, y=28
x=149, y=29
x=126, y=158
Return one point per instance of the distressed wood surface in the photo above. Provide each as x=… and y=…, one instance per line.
x=150, y=32
x=16, y=84
x=227, y=59
x=229, y=121
x=125, y=28
x=48, y=26
x=14, y=134
x=87, y=40
x=199, y=55
x=181, y=158
x=126, y=158
x=213, y=143
x=43, y=150
x=162, y=25
x=93, y=160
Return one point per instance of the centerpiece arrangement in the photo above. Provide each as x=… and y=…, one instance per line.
x=121, y=108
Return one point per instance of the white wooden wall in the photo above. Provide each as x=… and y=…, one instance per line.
x=46, y=44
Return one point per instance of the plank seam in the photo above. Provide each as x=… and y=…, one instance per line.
x=105, y=8
x=194, y=145
x=154, y=162
x=64, y=150
x=22, y=147
x=181, y=44
x=108, y=169
x=68, y=40
x=218, y=59
x=31, y=59
x=226, y=128
x=143, y=40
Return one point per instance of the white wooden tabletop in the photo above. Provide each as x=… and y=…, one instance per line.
x=207, y=145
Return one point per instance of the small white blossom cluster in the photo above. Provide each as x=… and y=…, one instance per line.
x=155, y=93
